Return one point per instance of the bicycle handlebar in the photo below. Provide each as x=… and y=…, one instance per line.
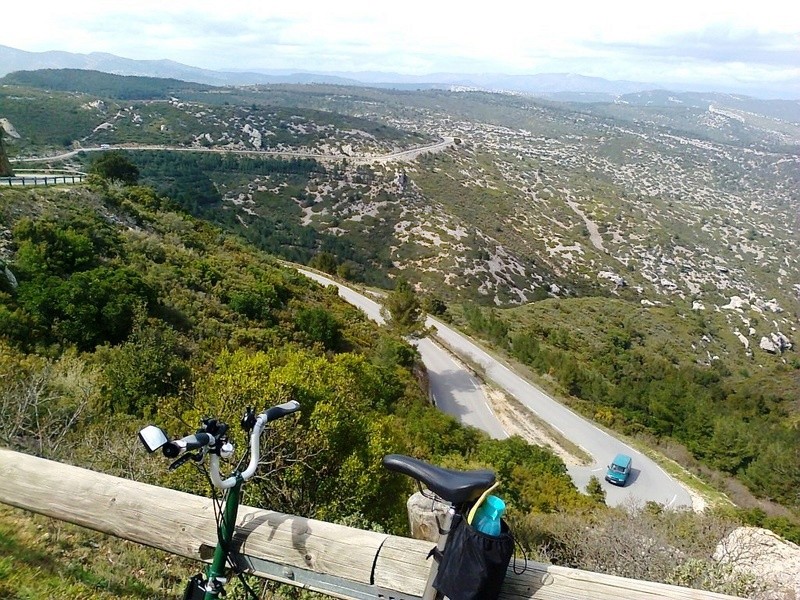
x=276, y=412
x=281, y=410
x=213, y=439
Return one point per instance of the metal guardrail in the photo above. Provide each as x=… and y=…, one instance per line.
x=44, y=180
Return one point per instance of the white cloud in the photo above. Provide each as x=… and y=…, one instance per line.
x=616, y=40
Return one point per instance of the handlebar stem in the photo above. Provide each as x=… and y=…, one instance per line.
x=255, y=456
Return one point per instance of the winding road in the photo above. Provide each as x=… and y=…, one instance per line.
x=456, y=391
x=402, y=155
x=453, y=388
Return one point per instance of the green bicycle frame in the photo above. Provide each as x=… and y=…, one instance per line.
x=212, y=437
x=224, y=537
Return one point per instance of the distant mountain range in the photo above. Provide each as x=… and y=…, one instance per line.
x=558, y=85
x=566, y=87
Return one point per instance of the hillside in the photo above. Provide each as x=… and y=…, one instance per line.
x=121, y=310
x=632, y=264
x=110, y=109
x=685, y=203
x=126, y=311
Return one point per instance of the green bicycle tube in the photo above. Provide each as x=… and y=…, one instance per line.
x=227, y=527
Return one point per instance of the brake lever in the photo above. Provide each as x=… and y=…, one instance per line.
x=195, y=456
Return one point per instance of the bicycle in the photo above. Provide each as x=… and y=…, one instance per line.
x=463, y=492
x=212, y=440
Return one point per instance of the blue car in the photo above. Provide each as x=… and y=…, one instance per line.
x=619, y=470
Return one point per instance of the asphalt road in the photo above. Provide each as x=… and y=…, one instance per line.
x=647, y=480
x=458, y=393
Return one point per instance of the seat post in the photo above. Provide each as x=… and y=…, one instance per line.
x=444, y=533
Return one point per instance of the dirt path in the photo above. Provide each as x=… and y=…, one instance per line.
x=517, y=420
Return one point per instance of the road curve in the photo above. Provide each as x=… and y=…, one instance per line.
x=648, y=481
x=458, y=393
x=454, y=389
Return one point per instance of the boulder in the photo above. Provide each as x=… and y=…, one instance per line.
x=776, y=343
x=612, y=277
x=8, y=128
x=769, y=558
x=736, y=303
x=768, y=345
x=781, y=341
x=742, y=339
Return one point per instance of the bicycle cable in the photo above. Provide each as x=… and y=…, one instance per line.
x=217, y=503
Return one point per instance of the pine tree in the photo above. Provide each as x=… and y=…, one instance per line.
x=403, y=312
x=595, y=490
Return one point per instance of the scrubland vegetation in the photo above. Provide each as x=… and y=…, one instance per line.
x=127, y=311
x=154, y=294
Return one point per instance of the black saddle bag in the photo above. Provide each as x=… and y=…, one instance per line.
x=474, y=564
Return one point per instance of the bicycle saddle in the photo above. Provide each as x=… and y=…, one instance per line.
x=455, y=487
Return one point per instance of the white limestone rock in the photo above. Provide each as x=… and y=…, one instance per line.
x=6, y=125
x=770, y=559
x=768, y=345
x=742, y=339
x=736, y=303
x=612, y=277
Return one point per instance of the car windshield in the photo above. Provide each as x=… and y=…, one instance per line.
x=617, y=468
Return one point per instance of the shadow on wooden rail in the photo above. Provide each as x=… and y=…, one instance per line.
x=333, y=559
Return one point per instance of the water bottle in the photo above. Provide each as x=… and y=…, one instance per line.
x=487, y=519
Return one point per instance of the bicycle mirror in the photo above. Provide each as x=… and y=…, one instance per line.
x=153, y=438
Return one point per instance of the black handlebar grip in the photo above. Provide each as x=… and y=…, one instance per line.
x=281, y=410
x=190, y=442
x=171, y=450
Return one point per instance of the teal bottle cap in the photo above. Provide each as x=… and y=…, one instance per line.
x=494, y=506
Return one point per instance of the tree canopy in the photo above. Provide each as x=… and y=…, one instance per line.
x=115, y=166
x=403, y=312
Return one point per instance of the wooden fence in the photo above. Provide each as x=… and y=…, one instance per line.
x=340, y=561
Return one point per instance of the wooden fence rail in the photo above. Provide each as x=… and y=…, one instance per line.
x=340, y=561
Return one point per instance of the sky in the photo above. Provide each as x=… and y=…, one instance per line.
x=708, y=44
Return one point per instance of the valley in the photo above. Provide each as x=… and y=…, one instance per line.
x=659, y=231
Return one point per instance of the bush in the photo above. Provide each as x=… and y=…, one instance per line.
x=320, y=326
x=87, y=309
x=115, y=166
x=258, y=301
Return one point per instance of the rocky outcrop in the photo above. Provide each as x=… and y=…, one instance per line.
x=776, y=343
x=771, y=560
x=8, y=127
x=613, y=277
x=255, y=135
x=5, y=164
x=736, y=303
